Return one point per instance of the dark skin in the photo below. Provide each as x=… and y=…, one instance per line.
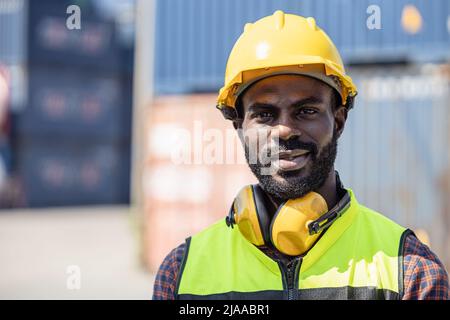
x=295, y=106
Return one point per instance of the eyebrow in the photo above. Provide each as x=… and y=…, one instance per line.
x=307, y=101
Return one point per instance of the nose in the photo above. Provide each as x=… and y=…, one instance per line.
x=285, y=129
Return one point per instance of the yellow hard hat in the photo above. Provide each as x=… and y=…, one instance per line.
x=282, y=44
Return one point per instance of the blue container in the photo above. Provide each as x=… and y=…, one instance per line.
x=66, y=173
x=12, y=31
x=194, y=37
x=94, y=46
x=76, y=104
x=409, y=30
x=5, y=160
x=394, y=152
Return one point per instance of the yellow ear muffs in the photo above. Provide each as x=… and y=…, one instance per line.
x=289, y=229
x=296, y=225
x=245, y=215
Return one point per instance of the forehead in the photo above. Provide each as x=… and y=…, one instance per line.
x=275, y=89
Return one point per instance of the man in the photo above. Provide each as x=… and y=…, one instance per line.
x=298, y=234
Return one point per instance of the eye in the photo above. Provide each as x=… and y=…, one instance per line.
x=263, y=115
x=307, y=111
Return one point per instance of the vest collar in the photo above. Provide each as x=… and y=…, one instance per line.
x=261, y=256
x=333, y=233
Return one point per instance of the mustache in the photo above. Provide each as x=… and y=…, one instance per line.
x=268, y=151
x=291, y=144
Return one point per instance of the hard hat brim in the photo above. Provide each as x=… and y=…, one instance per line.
x=320, y=71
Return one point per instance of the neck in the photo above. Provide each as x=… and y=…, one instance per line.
x=328, y=191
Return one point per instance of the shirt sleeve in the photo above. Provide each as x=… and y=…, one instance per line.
x=425, y=277
x=166, y=278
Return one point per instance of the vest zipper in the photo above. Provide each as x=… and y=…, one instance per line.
x=290, y=274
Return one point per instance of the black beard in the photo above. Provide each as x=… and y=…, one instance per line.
x=297, y=187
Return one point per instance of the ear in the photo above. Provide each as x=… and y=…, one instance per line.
x=238, y=127
x=237, y=124
x=340, y=117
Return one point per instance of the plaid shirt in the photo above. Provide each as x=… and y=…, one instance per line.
x=425, y=277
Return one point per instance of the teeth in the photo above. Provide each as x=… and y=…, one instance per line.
x=299, y=153
x=289, y=155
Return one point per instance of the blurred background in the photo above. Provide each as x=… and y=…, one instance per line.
x=91, y=199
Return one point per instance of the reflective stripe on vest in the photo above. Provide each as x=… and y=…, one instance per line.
x=358, y=257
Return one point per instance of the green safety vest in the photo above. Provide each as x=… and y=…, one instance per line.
x=358, y=257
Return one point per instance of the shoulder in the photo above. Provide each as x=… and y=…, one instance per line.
x=379, y=224
x=370, y=213
x=425, y=276
x=167, y=275
x=212, y=230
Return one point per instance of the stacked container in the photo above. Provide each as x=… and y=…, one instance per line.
x=12, y=93
x=194, y=38
x=395, y=149
x=195, y=166
x=74, y=134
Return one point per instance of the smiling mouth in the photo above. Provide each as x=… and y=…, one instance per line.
x=291, y=154
x=291, y=160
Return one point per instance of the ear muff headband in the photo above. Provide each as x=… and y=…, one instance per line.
x=262, y=212
x=328, y=218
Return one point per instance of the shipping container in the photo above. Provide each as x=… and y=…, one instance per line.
x=5, y=132
x=76, y=103
x=95, y=45
x=18, y=86
x=5, y=162
x=395, y=150
x=13, y=24
x=37, y=32
x=70, y=98
x=194, y=168
x=194, y=38
x=65, y=173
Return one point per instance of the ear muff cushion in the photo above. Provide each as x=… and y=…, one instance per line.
x=289, y=227
x=262, y=204
x=246, y=217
